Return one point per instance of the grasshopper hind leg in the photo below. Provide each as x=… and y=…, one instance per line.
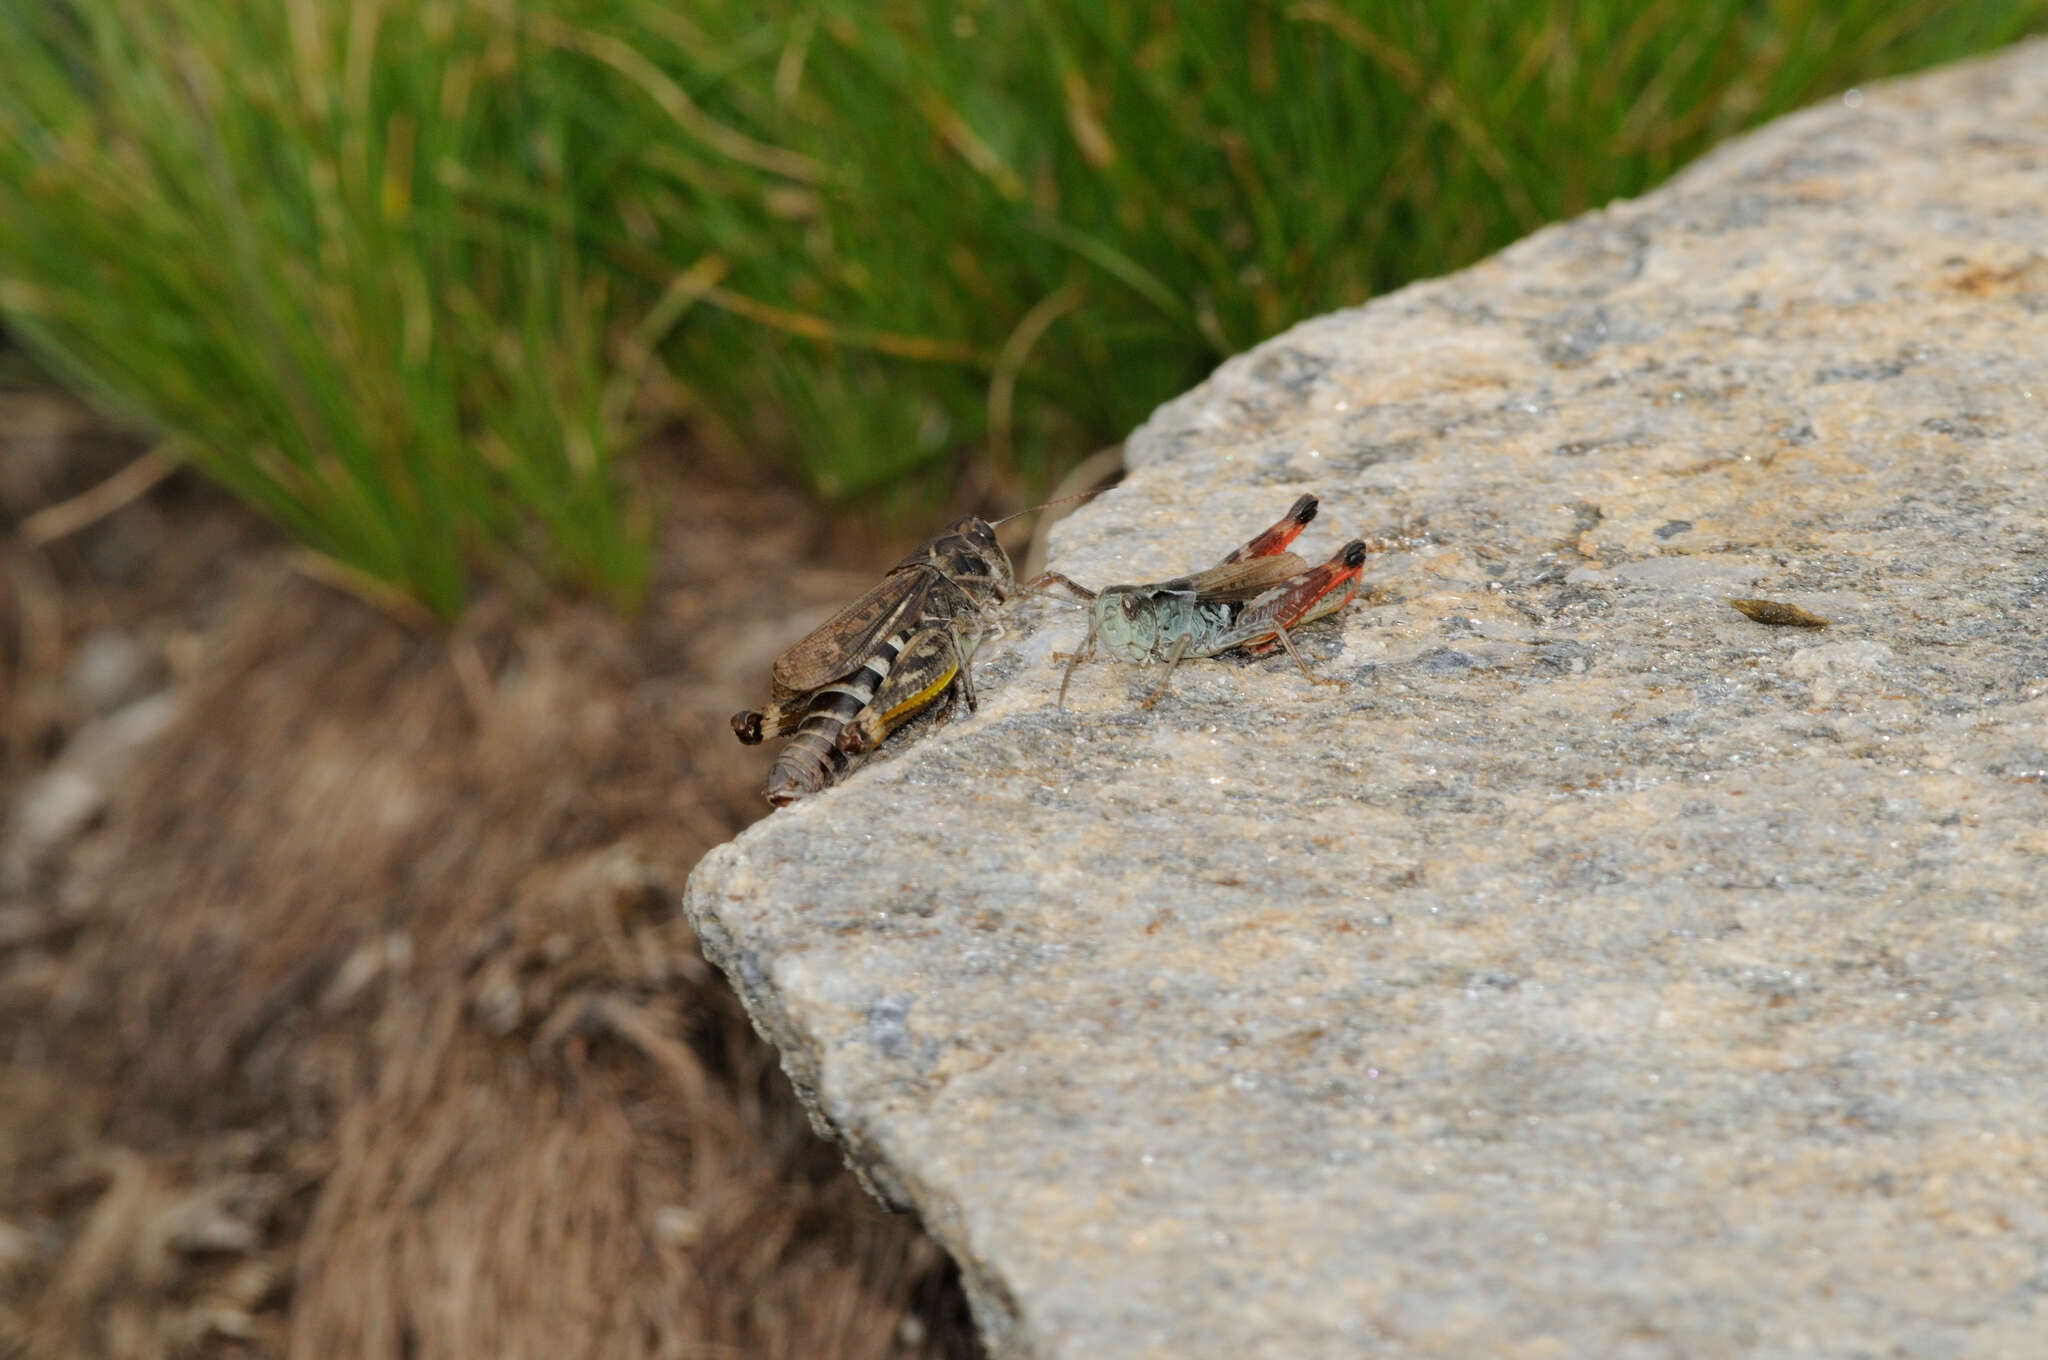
x=1272, y=541
x=777, y=719
x=932, y=664
x=1287, y=641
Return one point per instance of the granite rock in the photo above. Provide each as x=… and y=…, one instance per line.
x=1597, y=971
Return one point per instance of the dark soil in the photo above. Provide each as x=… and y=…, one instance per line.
x=350, y=1011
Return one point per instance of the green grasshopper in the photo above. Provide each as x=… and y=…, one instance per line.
x=896, y=652
x=1248, y=602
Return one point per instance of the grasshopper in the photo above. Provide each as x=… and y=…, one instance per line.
x=896, y=652
x=1247, y=602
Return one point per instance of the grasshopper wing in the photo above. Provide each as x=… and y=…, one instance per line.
x=1241, y=580
x=835, y=647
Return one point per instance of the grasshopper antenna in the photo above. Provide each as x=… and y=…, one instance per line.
x=1047, y=505
x=1094, y=475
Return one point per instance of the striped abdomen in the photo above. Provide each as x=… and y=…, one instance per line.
x=813, y=758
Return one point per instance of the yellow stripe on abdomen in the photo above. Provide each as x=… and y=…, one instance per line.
x=901, y=712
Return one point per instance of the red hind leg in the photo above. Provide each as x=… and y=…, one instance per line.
x=1277, y=538
x=1316, y=593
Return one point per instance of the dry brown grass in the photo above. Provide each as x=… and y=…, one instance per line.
x=364, y=1022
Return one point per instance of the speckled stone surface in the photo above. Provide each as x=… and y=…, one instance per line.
x=1597, y=973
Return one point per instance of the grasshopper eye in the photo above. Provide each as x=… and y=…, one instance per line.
x=1132, y=607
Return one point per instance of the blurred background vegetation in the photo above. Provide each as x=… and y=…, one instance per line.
x=417, y=277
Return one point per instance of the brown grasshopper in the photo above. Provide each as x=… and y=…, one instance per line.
x=1249, y=602
x=896, y=652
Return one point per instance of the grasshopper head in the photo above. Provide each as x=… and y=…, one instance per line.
x=1126, y=623
x=968, y=554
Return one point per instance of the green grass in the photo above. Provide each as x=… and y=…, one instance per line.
x=336, y=254
x=1099, y=201
x=396, y=272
